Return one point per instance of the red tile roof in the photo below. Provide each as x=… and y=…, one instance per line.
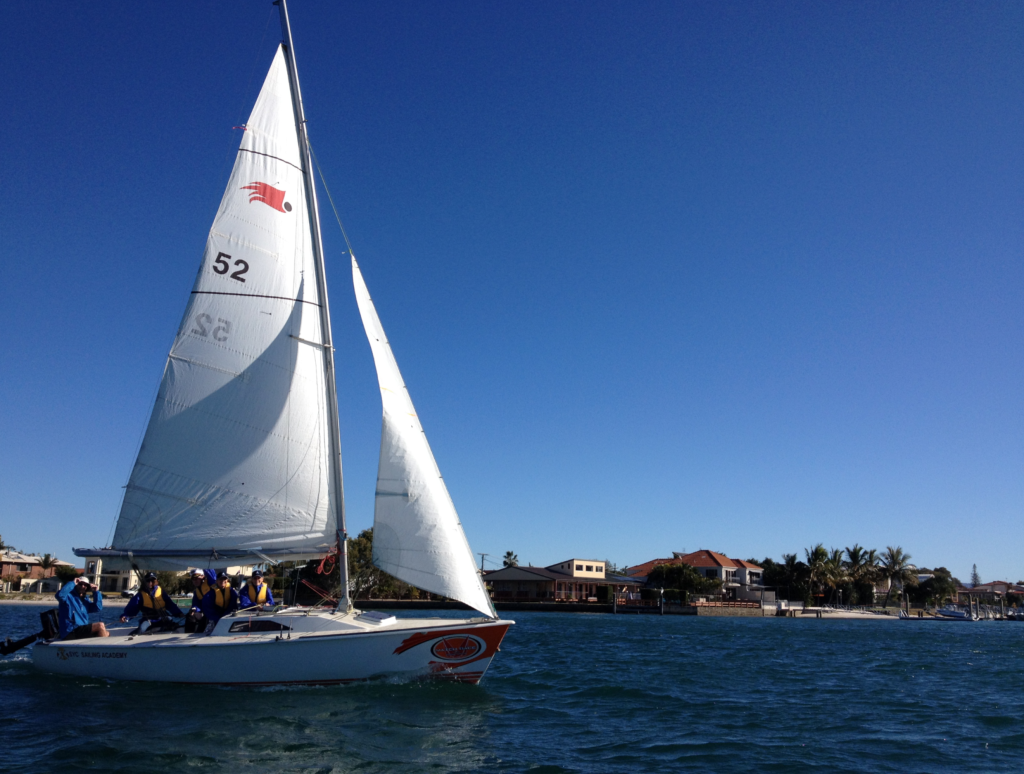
x=696, y=559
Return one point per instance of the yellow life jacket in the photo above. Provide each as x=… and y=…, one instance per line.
x=222, y=598
x=156, y=602
x=261, y=597
x=203, y=590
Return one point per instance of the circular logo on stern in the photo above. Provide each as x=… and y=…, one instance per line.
x=456, y=648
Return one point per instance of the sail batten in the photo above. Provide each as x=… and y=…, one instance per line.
x=236, y=456
x=417, y=536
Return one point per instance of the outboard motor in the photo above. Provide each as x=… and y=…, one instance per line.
x=50, y=623
x=51, y=629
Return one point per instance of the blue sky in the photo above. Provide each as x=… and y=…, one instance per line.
x=659, y=276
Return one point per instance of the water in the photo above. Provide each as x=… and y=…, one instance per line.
x=570, y=693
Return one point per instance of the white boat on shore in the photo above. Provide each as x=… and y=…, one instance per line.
x=953, y=613
x=241, y=459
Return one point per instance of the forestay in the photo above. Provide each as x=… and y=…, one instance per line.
x=236, y=453
x=417, y=536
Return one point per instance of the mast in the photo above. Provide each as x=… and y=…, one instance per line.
x=344, y=603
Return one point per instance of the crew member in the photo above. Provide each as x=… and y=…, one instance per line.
x=219, y=602
x=202, y=582
x=256, y=593
x=74, y=608
x=155, y=606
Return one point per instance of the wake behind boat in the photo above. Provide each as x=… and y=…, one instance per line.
x=241, y=459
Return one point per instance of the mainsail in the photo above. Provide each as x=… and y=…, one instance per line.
x=417, y=536
x=236, y=459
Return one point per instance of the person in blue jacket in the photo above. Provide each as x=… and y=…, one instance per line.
x=255, y=593
x=155, y=606
x=74, y=608
x=219, y=602
x=202, y=582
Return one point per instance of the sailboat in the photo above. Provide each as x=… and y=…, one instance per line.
x=241, y=459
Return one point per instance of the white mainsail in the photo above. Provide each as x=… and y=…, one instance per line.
x=236, y=456
x=417, y=536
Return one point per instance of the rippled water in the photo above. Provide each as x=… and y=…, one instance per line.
x=582, y=693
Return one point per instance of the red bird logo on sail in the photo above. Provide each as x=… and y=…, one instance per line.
x=266, y=193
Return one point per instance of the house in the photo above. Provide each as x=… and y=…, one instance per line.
x=992, y=589
x=740, y=579
x=109, y=581
x=574, y=580
x=22, y=572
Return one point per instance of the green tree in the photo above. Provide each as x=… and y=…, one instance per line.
x=46, y=564
x=897, y=569
x=790, y=578
x=366, y=580
x=862, y=568
x=682, y=577
x=817, y=556
x=65, y=574
x=834, y=573
x=936, y=589
x=975, y=578
x=172, y=582
x=363, y=576
x=510, y=560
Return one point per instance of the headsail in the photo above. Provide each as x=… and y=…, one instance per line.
x=417, y=536
x=236, y=457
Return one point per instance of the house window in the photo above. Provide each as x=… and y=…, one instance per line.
x=579, y=567
x=590, y=568
x=710, y=574
x=22, y=568
x=598, y=568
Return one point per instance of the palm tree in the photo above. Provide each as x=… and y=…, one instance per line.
x=46, y=564
x=510, y=560
x=834, y=572
x=896, y=568
x=855, y=559
x=862, y=567
x=816, y=558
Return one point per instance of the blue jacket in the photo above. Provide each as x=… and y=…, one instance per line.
x=73, y=611
x=197, y=598
x=214, y=613
x=243, y=596
x=135, y=606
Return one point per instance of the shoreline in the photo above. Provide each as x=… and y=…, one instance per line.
x=50, y=600
x=395, y=604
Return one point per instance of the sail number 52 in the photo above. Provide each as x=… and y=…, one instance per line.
x=221, y=266
x=205, y=321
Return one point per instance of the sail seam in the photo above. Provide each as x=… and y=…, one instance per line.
x=251, y=295
x=276, y=158
x=242, y=375
x=257, y=428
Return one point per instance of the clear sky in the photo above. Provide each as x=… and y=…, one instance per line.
x=659, y=275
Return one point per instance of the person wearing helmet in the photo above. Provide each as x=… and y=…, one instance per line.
x=219, y=602
x=202, y=582
x=155, y=607
x=256, y=593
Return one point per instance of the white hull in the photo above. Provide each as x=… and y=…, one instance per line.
x=317, y=648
